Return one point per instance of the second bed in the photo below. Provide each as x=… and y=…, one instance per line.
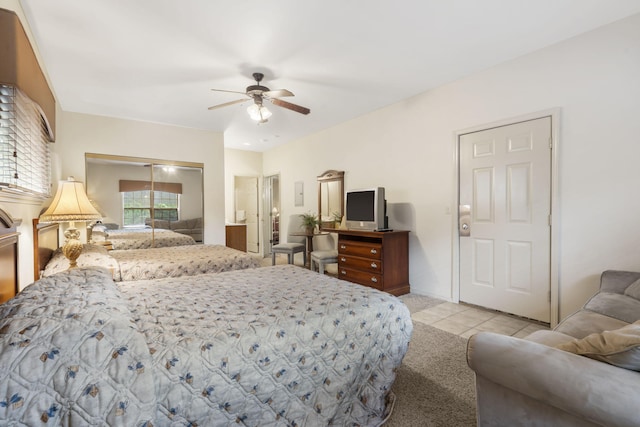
x=139, y=264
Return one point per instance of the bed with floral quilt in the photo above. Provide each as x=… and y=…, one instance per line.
x=156, y=263
x=273, y=346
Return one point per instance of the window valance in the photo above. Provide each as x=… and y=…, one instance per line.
x=19, y=67
x=169, y=187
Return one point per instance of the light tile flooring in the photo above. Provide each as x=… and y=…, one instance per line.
x=464, y=320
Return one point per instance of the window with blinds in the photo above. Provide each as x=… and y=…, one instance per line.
x=136, y=206
x=25, y=158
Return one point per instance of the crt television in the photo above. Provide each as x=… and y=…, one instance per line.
x=365, y=209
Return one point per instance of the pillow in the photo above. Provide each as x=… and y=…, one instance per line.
x=620, y=347
x=92, y=255
x=633, y=290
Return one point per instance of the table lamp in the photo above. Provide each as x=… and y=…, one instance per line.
x=71, y=204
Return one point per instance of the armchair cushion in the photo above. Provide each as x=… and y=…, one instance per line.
x=618, y=306
x=620, y=347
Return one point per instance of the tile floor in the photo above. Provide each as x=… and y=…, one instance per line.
x=464, y=320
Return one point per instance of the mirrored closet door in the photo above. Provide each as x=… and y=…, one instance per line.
x=139, y=193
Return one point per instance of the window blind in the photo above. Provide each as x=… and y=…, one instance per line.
x=25, y=164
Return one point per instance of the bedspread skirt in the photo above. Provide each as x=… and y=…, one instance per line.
x=275, y=346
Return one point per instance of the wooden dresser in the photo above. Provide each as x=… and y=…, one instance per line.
x=376, y=259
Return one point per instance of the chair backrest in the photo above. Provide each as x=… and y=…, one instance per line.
x=295, y=223
x=325, y=242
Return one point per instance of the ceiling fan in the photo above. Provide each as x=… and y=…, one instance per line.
x=259, y=94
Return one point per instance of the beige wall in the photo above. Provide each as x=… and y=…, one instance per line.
x=81, y=133
x=409, y=149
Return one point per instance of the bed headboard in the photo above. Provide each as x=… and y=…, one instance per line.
x=8, y=256
x=45, y=241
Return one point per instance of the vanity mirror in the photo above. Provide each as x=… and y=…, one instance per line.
x=330, y=198
x=132, y=192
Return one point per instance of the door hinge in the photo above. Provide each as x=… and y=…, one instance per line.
x=551, y=143
x=549, y=296
x=549, y=220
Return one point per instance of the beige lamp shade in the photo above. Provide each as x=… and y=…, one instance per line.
x=70, y=204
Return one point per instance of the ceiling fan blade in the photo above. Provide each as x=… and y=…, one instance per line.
x=228, y=91
x=237, y=101
x=278, y=93
x=290, y=106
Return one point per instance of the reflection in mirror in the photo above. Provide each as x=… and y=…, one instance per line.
x=331, y=198
x=134, y=193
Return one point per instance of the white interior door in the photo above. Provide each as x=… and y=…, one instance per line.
x=505, y=234
x=246, y=195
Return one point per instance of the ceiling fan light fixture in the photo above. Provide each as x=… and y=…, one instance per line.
x=259, y=113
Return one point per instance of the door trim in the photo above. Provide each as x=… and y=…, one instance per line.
x=554, y=113
x=267, y=201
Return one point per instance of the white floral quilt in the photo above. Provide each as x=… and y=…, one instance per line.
x=142, y=238
x=176, y=261
x=274, y=346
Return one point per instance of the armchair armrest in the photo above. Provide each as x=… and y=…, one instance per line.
x=580, y=387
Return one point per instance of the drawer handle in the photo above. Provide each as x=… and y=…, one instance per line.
x=343, y=247
x=343, y=259
x=374, y=280
x=374, y=265
x=373, y=251
x=343, y=272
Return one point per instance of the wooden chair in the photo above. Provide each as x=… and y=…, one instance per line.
x=293, y=245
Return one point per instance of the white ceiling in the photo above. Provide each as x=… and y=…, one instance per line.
x=156, y=60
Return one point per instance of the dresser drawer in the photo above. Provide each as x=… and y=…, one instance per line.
x=361, y=249
x=362, y=277
x=362, y=264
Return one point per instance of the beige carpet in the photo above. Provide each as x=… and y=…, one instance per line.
x=434, y=386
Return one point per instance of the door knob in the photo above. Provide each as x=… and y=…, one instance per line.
x=464, y=218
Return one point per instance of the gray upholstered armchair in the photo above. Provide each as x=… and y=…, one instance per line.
x=583, y=373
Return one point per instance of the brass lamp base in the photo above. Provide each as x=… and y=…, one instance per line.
x=72, y=247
